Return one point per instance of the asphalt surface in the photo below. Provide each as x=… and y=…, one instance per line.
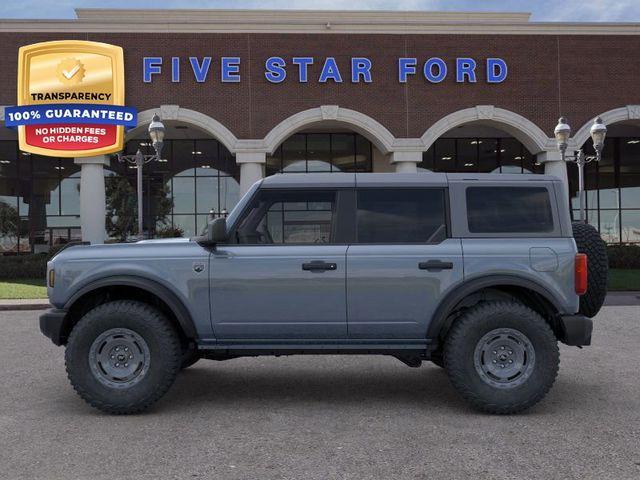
x=322, y=417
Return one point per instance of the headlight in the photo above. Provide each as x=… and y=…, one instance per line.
x=52, y=277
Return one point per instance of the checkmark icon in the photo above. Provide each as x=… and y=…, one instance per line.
x=71, y=73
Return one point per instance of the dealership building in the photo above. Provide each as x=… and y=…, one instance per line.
x=247, y=94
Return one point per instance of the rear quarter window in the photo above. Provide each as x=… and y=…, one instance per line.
x=509, y=210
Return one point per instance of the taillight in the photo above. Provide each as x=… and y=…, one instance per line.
x=581, y=274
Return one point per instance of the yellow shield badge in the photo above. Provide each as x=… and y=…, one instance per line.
x=71, y=99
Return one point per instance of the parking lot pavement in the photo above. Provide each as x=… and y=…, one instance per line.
x=322, y=417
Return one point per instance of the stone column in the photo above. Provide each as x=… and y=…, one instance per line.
x=92, y=198
x=251, y=168
x=553, y=165
x=406, y=162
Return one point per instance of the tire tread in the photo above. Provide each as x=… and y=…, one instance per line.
x=455, y=344
x=162, y=327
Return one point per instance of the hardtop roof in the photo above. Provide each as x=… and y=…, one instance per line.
x=318, y=180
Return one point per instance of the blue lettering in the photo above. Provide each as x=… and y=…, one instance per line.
x=465, y=67
x=151, y=66
x=428, y=70
x=496, y=70
x=200, y=71
x=360, y=67
x=230, y=70
x=175, y=69
x=330, y=71
x=275, y=69
x=406, y=66
x=303, y=64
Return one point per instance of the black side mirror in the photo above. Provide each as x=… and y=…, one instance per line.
x=217, y=231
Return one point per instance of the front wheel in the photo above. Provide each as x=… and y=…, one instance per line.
x=502, y=357
x=122, y=356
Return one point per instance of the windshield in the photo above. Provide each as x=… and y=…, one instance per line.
x=235, y=213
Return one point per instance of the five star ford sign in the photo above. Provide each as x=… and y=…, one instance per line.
x=71, y=99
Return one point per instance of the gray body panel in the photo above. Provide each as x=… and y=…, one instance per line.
x=262, y=292
x=168, y=263
x=550, y=265
x=389, y=296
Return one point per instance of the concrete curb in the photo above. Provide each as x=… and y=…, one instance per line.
x=31, y=304
x=622, y=298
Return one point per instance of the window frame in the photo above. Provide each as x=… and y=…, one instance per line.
x=458, y=193
x=446, y=205
x=342, y=208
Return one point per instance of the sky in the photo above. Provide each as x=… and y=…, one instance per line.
x=542, y=10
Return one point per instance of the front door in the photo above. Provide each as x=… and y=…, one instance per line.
x=401, y=263
x=284, y=277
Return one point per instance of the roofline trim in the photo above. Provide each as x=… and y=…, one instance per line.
x=310, y=21
x=269, y=15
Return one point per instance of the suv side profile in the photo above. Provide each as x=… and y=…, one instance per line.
x=479, y=274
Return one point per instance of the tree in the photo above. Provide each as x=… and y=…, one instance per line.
x=122, y=207
x=9, y=221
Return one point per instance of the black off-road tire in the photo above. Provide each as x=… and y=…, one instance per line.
x=190, y=356
x=589, y=242
x=149, y=327
x=469, y=332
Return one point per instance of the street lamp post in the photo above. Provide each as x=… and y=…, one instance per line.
x=562, y=133
x=156, y=133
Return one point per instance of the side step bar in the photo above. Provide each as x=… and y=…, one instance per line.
x=405, y=348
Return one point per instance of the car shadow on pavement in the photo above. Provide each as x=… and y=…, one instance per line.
x=263, y=385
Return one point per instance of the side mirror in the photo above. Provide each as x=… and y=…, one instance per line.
x=217, y=231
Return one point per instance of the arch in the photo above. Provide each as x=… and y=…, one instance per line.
x=378, y=134
x=622, y=114
x=197, y=119
x=527, y=132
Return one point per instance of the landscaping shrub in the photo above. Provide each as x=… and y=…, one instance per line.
x=13, y=267
x=34, y=265
x=169, y=232
x=624, y=256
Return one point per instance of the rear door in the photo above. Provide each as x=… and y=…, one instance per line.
x=402, y=262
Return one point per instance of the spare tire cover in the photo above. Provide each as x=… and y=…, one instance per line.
x=589, y=242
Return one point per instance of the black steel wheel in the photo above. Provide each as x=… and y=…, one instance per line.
x=502, y=357
x=123, y=356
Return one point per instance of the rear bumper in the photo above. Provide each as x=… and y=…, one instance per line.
x=576, y=330
x=52, y=323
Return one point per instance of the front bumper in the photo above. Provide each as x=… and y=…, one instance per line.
x=52, y=325
x=576, y=330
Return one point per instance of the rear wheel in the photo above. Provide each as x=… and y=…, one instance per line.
x=502, y=357
x=123, y=356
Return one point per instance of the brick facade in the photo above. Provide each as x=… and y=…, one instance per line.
x=574, y=75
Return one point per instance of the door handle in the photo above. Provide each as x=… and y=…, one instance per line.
x=435, y=265
x=319, y=266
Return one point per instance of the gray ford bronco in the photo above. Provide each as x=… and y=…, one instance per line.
x=481, y=274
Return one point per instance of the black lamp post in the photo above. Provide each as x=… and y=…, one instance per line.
x=562, y=133
x=156, y=133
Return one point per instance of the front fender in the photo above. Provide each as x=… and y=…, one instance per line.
x=174, y=303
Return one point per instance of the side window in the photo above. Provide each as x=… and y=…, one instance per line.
x=408, y=215
x=509, y=210
x=291, y=216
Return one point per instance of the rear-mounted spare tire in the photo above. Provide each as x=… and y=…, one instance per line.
x=590, y=243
